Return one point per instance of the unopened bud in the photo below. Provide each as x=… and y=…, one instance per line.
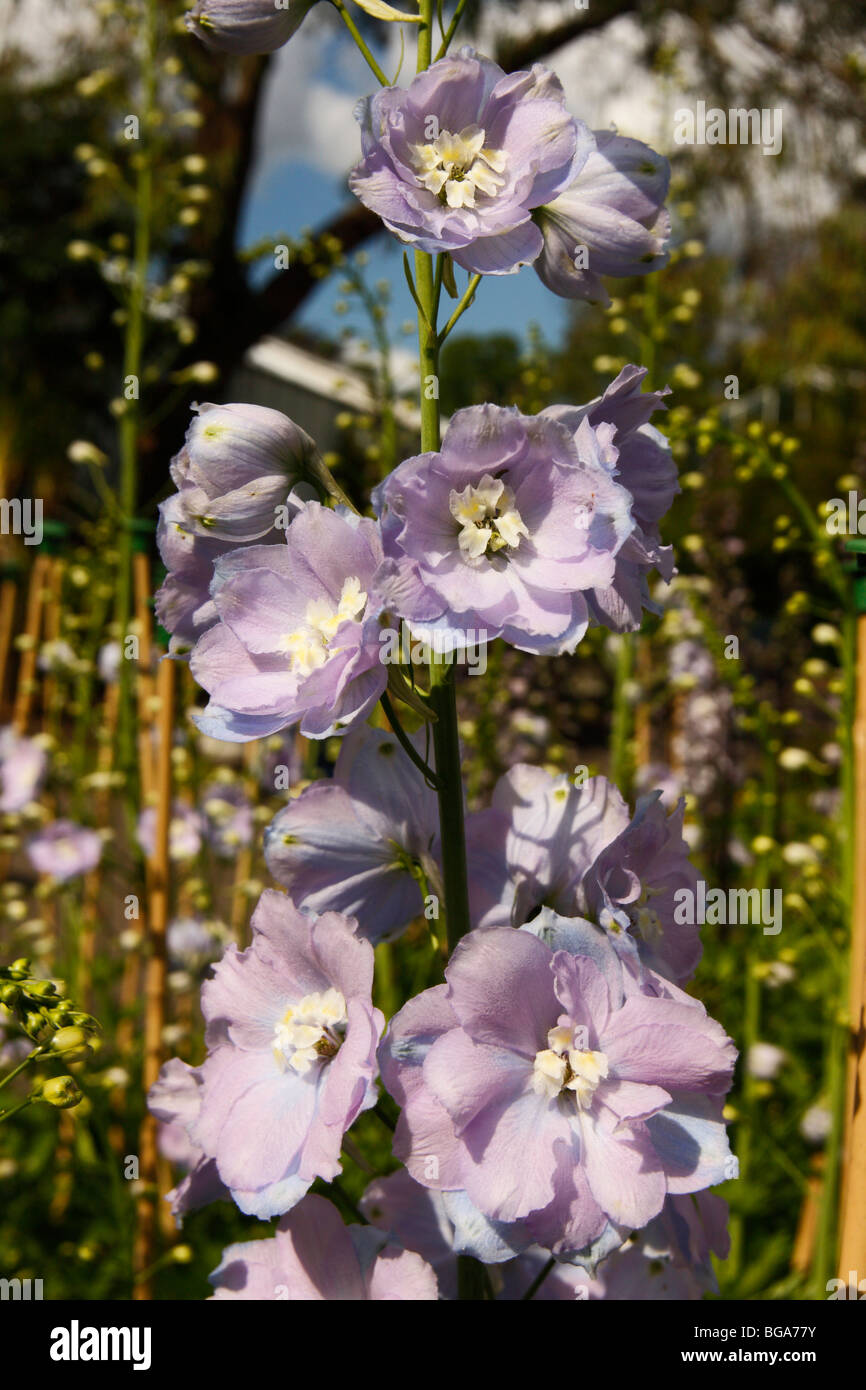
x=66, y=1039
x=61, y=1091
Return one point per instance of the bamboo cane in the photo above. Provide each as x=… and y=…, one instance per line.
x=852, y=1251
x=155, y=981
x=51, y=627
x=32, y=628
x=144, y=681
x=8, y=591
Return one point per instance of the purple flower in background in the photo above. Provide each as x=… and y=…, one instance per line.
x=645, y=468
x=229, y=824
x=548, y=1087
x=282, y=763
x=191, y=941
x=237, y=467
x=504, y=530
x=185, y=830
x=298, y=637
x=349, y=844
x=175, y=1100
x=23, y=765
x=108, y=662
x=314, y=1257
x=246, y=26
x=610, y=220
x=457, y=161
x=293, y=1034
x=64, y=850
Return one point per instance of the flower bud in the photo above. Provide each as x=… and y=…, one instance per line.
x=40, y=989
x=246, y=26
x=61, y=1091
x=68, y=1039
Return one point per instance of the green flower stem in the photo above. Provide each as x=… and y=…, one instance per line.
x=442, y=698
x=451, y=30
x=128, y=429
x=7, y=1114
x=22, y=1066
x=622, y=719
x=400, y=734
x=539, y=1279
x=465, y=303
x=359, y=40
x=473, y=1281
x=451, y=829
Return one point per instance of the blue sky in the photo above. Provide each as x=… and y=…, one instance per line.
x=296, y=194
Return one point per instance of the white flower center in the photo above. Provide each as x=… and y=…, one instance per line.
x=308, y=646
x=311, y=1029
x=489, y=520
x=563, y=1067
x=455, y=167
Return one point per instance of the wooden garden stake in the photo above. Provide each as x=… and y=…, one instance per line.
x=156, y=922
x=8, y=592
x=32, y=628
x=852, y=1243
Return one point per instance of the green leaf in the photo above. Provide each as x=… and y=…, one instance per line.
x=448, y=278
x=379, y=10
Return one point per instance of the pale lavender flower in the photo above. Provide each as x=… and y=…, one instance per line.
x=23, y=766
x=246, y=26
x=183, y=604
x=64, y=850
x=504, y=530
x=237, y=467
x=292, y=1034
x=553, y=1088
x=298, y=636
x=610, y=220
x=315, y=1258
x=645, y=468
x=192, y=942
x=185, y=830
x=457, y=161
x=175, y=1100
x=350, y=844
x=547, y=842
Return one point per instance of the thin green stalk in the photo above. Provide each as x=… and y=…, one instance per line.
x=824, y=1264
x=403, y=739
x=446, y=743
x=22, y=1066
x=451, y=30
x=621, y=721
x=465, y=303
x=359, y=40
x=539, y=1279
x=442, y=698
x=7, y=1114
x=751, y=1027
x=473, y=1281
x=132, y=361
